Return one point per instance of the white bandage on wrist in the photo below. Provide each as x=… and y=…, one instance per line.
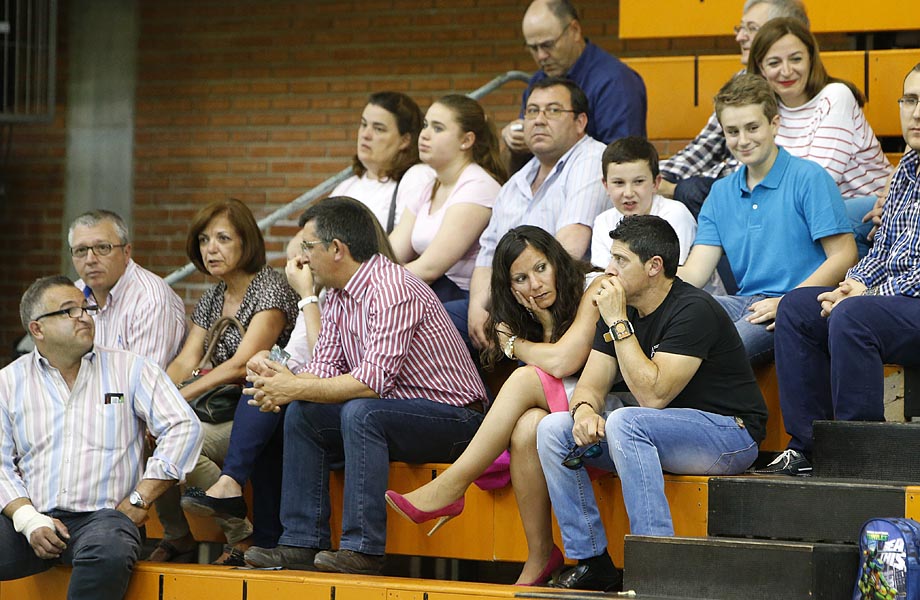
x=26, y=520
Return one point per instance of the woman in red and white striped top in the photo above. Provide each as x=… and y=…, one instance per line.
x=820, y=117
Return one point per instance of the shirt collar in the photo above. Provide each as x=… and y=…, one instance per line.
x=774, y=177
x=358, y=283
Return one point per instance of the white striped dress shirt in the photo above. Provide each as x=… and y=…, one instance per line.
x=832, y=131
x=387, y=329
x=572, y=193
x=142, y=314
x=83, y=449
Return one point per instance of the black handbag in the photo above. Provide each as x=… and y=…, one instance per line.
x=218, y=404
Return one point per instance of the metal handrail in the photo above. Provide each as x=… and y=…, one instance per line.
x=328, y=185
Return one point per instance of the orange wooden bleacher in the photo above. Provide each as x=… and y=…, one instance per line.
x=680, y=88
x=680, y=18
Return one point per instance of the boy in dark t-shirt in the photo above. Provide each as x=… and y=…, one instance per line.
x=700, y=410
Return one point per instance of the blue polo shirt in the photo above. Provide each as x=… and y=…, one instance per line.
x=616, y=94
x=771, y=234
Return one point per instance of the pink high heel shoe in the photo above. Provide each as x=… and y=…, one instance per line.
x=407, y=510
x=555, y=562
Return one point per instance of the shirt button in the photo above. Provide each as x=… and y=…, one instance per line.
x=754, y=207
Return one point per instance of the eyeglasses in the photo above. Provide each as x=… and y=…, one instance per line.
x=751, y=29
x=98, y=250
x=575, y=458
x=308, y=246
x=908, y=103
x=74, y=312
x=547, y=46
x=552, y=113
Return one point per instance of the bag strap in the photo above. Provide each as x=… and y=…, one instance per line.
x=391, y=218
x=215, y=332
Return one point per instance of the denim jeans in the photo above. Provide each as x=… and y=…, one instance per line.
x=833, y=367
x=758, y=342
x=103, y=547
x=639, y=443
x=363, y=435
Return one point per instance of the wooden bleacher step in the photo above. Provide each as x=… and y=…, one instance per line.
x=799, y=508
x=732, y=569
x=867, y=451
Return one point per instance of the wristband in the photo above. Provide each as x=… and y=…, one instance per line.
x=577, y=405
x=308, y=300
x=26, y=520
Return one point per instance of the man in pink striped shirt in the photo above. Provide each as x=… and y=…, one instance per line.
x=138, y=311
x=390, y=379
x=73, y=479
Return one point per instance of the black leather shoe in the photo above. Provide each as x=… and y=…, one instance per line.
x=197, y=502
x=349, y=561
x=583, y=577
x=288, y=557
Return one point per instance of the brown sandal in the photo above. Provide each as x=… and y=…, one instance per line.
x=166, y=551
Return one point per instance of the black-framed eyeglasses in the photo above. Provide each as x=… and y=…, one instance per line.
x=306, y=246
x=548, y=45
x=98, y=250
x=74, y=312
x=908, y=103
x=575, y=458
x=552, y=113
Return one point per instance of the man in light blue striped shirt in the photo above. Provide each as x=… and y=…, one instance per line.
x=72, y=421
x=559, y=190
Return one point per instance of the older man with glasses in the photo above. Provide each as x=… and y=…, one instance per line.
x=74, y=485
x=616, y=93
x=138, y=311
x=558, y=190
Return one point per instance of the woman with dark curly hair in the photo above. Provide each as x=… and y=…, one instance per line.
x=541, y=315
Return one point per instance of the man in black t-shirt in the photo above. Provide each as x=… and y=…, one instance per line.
x=700, y=410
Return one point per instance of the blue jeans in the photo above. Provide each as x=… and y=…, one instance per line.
x=103, y=547
x=758, y=342
x=363, y=435
x=856, y=210
x=639, y=443
x=255, y=453
x=833, y=368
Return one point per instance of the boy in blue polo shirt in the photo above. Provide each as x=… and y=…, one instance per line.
x=779, y=219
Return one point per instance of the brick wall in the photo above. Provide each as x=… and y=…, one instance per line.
x=259, y=99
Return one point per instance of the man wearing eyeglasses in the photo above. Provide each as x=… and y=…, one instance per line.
x=616, y=94
x=558, y=190
x=74, y=487
x=700, y=410
x=138, y=311
x=690, y=173
x=849, y=332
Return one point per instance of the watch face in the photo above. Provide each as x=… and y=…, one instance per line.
x=136, y=500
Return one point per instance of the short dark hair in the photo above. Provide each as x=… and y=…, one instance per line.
x=744, y=90
x=630, y=149
x=344, y=219
x=648, y=236
x=242, y=220
x=577, y=96
x=409, y=119
x=33, y=297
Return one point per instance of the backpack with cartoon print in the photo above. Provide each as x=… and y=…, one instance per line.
x=889, y=560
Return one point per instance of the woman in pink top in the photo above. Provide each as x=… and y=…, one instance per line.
x=461, y=145
x=821, y=117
